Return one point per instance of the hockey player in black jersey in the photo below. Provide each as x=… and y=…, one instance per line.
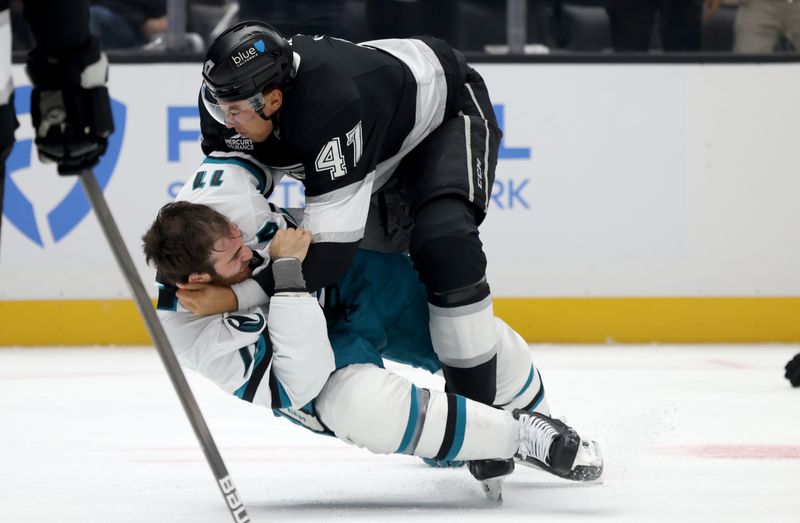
x=395, y=142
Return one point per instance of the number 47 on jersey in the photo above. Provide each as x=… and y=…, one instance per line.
x=331, y=157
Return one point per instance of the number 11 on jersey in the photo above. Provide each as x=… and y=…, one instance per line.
x=331, y=157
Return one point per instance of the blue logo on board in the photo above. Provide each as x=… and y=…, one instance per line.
x=259, y=45
x=73, y=208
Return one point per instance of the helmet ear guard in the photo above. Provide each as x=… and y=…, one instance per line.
x=245, y=59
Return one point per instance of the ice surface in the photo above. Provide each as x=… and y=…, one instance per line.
x=689, y=433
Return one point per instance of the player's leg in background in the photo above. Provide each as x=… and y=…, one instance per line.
x=631, y=23
x=757, y=28
x=681, y=25
x=791, y=21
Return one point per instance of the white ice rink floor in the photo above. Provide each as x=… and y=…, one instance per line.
x=689, y=433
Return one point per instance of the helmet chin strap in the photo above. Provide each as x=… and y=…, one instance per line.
x=272, y=118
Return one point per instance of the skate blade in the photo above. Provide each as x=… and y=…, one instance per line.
x=493, y=489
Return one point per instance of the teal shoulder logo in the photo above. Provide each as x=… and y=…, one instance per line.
x=66, y=214
x=251, y=323
x=260, y=46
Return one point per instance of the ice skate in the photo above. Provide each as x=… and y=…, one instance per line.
x=491, y=473
x=552, y=445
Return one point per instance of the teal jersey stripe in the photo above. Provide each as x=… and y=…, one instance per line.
x=261, y=351
x=525, y=387
x=413, y=415
x=539, y=395
x=461, y=427
x=254, y=170
x=239, y=393
x=284, y=398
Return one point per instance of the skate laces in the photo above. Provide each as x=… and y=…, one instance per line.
x=536, y=438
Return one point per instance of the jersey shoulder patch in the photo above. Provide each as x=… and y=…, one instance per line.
x=246, y=322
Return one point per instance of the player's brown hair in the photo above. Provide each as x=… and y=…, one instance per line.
x=180, y=240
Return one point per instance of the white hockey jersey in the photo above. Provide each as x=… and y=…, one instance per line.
x=276, y=355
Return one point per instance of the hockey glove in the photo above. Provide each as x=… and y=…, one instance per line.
x=70, y=107
x=793, y=371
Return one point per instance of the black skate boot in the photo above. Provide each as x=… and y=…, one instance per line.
x=552, y=445
x=793, y=371
x=491, y=473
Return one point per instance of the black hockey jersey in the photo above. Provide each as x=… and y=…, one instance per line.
x=350, y=114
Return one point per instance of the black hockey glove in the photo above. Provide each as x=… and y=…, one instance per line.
x=793, y=371
x=70, y=107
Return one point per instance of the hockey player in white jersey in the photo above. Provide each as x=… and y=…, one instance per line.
x=282, y=360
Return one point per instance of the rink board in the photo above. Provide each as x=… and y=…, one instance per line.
x=561, y=320
x=632, y=203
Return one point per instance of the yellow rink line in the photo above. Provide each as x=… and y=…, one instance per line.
x=568, y=320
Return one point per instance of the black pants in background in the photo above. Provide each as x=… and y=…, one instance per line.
x=632, y=21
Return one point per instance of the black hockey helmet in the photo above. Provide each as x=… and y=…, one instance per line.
x=245, y=59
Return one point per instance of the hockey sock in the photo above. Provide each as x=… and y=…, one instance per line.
x=519, y=382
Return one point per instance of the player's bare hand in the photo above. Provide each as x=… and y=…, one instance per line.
x=204, y=299
x=290, y=243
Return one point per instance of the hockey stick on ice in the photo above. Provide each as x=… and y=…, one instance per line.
x=224, y=481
